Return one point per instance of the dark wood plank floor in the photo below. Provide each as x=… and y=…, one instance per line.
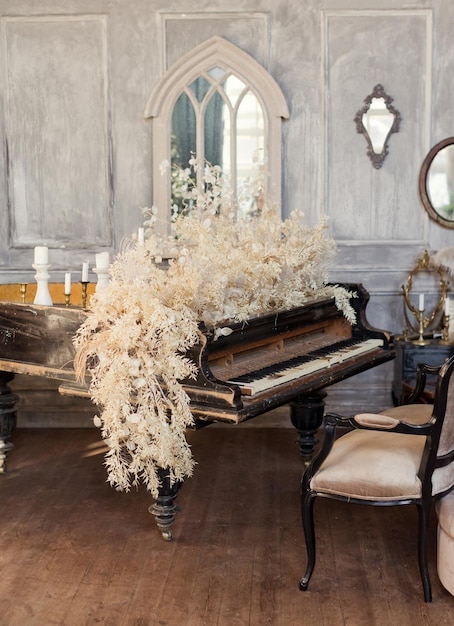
x=74, y=551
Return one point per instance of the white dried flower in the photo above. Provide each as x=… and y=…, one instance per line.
x=225, y=267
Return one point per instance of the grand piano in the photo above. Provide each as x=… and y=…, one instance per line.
x=287, y=357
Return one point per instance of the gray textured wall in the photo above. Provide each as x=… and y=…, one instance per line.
x=76, y=160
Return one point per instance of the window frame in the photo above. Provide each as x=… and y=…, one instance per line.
x=215, y=51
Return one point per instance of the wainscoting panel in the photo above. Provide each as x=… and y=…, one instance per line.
x=363, y=49
x=57, y=131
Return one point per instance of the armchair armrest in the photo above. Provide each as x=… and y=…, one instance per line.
x=422, y=370
x=373, y=420
x=380, y=421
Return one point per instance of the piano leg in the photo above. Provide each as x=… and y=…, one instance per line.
x=8, y=413
x=306, y=414
x=164, y=509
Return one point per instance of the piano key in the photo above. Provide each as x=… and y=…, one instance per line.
x=287, y=371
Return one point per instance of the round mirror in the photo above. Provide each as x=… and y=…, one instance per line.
x=436, y=183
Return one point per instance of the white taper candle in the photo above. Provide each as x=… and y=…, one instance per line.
x=141, y=236
x=67, y=283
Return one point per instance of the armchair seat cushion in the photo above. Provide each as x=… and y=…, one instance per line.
x=372, y=465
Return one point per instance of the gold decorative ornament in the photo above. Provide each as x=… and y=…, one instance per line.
x=434, y=321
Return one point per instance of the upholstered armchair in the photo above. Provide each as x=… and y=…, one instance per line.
x=398, y=457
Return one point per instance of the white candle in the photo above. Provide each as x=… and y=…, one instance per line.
x=67, y=283
x=421, y=302
x=85, y=272
x=102, y=260
x=141, y=236
x=41, y=255
x=447, y=307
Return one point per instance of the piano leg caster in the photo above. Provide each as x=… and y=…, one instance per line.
x=164, y=509
x=307, y=416
x=8, y=402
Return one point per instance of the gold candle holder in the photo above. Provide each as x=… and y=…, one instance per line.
x=23, y=291
x=445, y=331
x=84, y=284
x=424, y=321
x=422, y=324
x=67, y=299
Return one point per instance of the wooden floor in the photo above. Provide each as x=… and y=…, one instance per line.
x=74, y=551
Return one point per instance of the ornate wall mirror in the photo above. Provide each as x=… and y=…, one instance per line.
x=218, y=103
x=436, y=183
x=376, y=121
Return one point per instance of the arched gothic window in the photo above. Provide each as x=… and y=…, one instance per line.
x=218, y=103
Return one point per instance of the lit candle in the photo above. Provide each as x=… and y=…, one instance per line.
x=41, y=255
x=421, y=302
x=141, y=236
x=102, y=260
x=85, y=272
x=447, y=307
x=67, y=283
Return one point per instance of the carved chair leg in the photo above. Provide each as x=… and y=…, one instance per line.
x=423, y=511
x=8, y=412
x=307, y=511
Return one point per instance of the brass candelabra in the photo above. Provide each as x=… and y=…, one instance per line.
x=445, y=330
x=84, y=284
x=23, y=291
x=424, y=321
x=422, y=325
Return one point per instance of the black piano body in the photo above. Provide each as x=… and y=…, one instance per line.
x=286, y=357
x=269, y=361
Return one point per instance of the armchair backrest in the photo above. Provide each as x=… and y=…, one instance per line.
x=443, y=475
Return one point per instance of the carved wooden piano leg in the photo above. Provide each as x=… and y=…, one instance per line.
x=164, y=509
x=8, y=402
x=307, y=416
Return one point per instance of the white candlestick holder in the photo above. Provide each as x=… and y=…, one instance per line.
x=103, y=274
x=42, y=279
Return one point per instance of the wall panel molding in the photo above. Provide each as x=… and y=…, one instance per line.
x=57, y=131
x=180, y=32
x=362, y=48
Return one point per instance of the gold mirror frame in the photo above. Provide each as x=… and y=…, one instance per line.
x=424, y=175
x=378, y=93
x=424, y=322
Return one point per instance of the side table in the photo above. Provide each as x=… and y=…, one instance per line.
x=408, y=355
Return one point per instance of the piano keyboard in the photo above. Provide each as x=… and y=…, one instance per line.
x=272, y=376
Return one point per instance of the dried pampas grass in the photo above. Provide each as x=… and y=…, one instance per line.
x=138, y=330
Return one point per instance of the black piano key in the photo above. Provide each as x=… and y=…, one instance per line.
x=269, y=370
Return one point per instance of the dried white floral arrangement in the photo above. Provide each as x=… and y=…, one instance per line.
x=220, y=268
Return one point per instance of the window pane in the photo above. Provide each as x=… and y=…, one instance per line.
x=200, y=87
x=250, y=137
x=182, y=147
x=183, y=132
x=233, y=87
x=214, y=130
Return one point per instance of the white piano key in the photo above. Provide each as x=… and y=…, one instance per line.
x=288, y=374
